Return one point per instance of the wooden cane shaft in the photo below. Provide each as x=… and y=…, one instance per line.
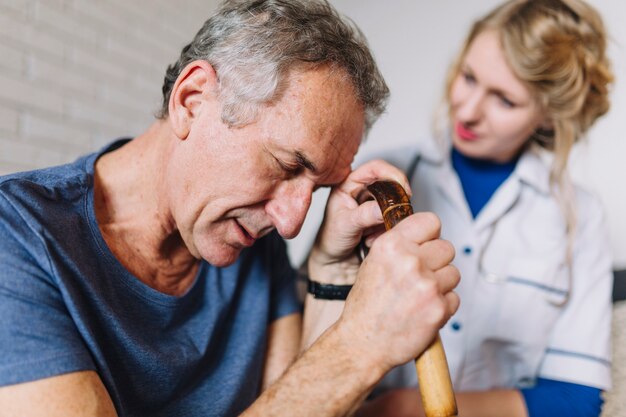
x=435, y=383
x=432, y=367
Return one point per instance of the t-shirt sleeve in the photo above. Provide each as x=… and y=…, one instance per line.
x=38, y=338
x=284, y=299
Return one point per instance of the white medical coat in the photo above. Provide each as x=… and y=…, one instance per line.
x=510, y=328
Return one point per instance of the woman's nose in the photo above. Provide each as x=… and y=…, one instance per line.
x=470, y=108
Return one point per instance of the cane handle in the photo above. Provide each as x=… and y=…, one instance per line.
x=432, y=367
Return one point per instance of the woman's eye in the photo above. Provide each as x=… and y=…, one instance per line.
x=506, y=102
x=468, y=77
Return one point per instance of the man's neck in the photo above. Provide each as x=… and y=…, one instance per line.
x=134, y=216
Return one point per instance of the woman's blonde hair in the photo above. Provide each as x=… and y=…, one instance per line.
x=558, y=49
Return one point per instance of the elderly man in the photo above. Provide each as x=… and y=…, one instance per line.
x=150, y=278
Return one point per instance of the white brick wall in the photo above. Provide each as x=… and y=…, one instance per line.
x=75, y=74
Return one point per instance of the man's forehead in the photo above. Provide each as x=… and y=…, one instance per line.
x=333, y=162
x=319, y=120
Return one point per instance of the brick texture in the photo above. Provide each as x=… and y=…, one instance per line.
x=75, y=74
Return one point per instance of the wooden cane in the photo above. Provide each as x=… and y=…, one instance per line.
x=432, y=367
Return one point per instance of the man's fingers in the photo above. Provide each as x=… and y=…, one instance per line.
x=447, y=278
x=452, y=302
x=370, y=172
x=367, y=215
x=372, y=234
x=437, y=253
x=419, y=227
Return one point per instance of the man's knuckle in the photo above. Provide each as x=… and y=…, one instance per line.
x=430, y=220
x=448, y=247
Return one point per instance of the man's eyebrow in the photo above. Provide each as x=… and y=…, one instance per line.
x=303, y=161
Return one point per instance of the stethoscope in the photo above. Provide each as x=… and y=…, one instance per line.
x=493, y=277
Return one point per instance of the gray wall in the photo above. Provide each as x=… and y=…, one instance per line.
x=75, y=74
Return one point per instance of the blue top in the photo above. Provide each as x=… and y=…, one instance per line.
x=547, y=398
x=480, y=178
x=67, y=304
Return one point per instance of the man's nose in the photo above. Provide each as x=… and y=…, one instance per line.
x=288, y=207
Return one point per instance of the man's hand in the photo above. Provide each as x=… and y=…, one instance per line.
x=403, y=293
x=333, y=258
x=406, y=279
x=401, y=297
x=346, y=221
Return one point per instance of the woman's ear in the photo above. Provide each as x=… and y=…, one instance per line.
x=547, y=125
x=544, y=134
x=196, y=83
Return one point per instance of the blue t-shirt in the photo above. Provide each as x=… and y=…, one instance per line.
x=67, y=304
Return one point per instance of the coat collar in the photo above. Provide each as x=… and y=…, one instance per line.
x=532, y=169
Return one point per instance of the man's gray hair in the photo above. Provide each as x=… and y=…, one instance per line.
x=253, y=44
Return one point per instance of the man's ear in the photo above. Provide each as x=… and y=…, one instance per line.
x=195, y=83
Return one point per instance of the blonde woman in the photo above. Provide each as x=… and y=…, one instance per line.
x=531, y=337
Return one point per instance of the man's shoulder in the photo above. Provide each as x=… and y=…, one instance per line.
x=46, y=199
x=43, y=188
x=61, y=183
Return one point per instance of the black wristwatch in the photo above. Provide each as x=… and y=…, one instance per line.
x=328, y=291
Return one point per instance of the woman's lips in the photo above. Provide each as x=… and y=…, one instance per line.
x=464, y=133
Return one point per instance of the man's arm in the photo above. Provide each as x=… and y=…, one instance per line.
x=318, y=316
x=83, y=393
x=77, y=394
x=282, y=347
x=36, y=336
x=349, y=218
x=330, y=379
x=343, y=365
x=402, y=296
